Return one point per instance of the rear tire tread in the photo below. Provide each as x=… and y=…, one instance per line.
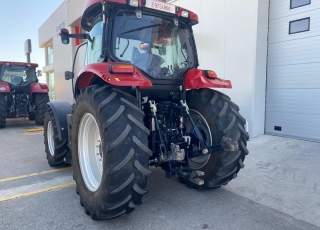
x=40, y=102
x=3, y=111
x=124, y=147
x=226, y=121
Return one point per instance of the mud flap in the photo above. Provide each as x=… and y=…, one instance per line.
x=60, y=111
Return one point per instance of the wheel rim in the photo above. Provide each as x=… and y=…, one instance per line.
x=50, y=138
x=90, y=152
x=201, y=123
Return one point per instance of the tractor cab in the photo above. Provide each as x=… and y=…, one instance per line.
x=150, y=36
x=151, y=39
x=18, y=74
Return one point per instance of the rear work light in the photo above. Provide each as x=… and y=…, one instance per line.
x=134, y=3
x=122, y=68
x=185, y=14
x=211, y=74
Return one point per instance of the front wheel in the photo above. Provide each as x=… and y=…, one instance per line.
x=216, y=117
x=56, y=150
x=110, y=154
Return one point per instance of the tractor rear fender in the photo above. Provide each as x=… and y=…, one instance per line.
x=197, y=78
x=4, y=87
x=38, y=88
x=60, y=111
x=88, y=73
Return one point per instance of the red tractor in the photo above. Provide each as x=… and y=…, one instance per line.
x=21, y=95
x=141, y=101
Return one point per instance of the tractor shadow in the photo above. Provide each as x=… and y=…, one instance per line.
x=21, y=122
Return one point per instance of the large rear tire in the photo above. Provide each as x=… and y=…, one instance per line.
x=56, y=150
x=217, y=117
x=3, y=113
x=110, y=154
x=40, y=102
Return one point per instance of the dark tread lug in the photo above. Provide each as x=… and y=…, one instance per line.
x=132, y=106
x=142, y=146
x=121, y=203
x=115, y=116
x=118, y=141
x=229, y=127
x=122, y=186
x=107, y=100
x=139, y=190
x=144, y=171
x=122, y=163
x=139, y=124
x=244, y=148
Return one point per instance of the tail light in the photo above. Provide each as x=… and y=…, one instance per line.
x=122, y=68
x=211, y=74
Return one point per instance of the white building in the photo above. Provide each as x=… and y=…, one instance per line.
x=269, y=49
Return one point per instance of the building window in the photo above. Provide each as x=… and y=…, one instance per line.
x=52, y=90
x=298, y=26
x=50, y=54
x=299, y=3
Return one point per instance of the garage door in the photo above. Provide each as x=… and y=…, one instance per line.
x=293, y=71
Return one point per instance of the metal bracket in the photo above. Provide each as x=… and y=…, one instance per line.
x=144, y=100
x=226, y=145
x=138, y=13
x=153, y=109
x=196, y=130
x=193, y=177
x=176, y=21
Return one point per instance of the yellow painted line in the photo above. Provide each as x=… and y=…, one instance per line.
x=33, y=130
x=37, y=192
x=33, y=174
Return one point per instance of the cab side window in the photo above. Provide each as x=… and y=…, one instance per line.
x=94, y=48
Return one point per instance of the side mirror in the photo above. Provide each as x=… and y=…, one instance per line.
x=39, y=73
x=68, y=75
x=64, y=34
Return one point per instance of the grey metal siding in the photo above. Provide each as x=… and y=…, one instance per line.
x=293, y=80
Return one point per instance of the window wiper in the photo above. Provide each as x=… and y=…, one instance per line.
x=141, y=28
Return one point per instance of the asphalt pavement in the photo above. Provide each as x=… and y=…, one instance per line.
x=35, y=196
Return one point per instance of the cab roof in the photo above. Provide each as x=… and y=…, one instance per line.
x=18, y=63
x=94, y=6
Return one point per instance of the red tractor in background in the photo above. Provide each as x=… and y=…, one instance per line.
x=141, y=101
x=21, y=95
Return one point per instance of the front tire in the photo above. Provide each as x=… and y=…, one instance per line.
x=56, y=150
x=40, y=102
x=3, y=113
x=217, y=117
x=110, y=156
